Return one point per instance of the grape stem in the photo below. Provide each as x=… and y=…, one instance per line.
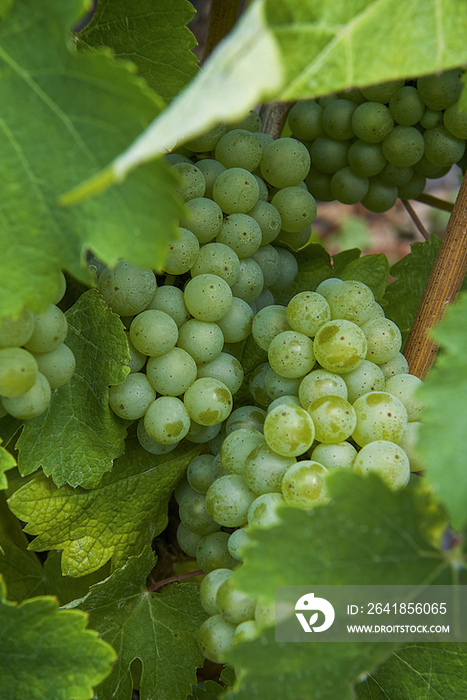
x=443, y=286
x=435, y=202
x=273, y=116
x=174, y=579
x=222, y=17
x=414, y=216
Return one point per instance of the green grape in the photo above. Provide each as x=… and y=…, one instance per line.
x=208, y=401
x=246, y=417
x=288, y=273
x=32, y=403
x=215, y=638
x=203, y=341
x=205, y=218
x=329, y=155
x=137, y=359
x=263, y=189
x=208, y=297
x=192, y=181
x=250, y=282
x=428, y=169
x=405, y=387
x=169, y=299
x=297, y=208
x=194, y=515
x=276, y=385
x=319, y=185
x=304, y=485
x=167, y=420
x=285, y=162
x=266, y=298
x=217, y=259
x=413, y=188
x=264, y=511
x=396, y=365
x=15, y=332
x=372, y=122
x=352, y=301
x=211, y=169
x=172, y=158
x=380, y=416
x=265, y=468
x=225, y=368
x=127, y=289
x=172, y=373
x=239, y=148
x=289, y=430
x=265, y=614
x=218, y=469
x=60, y=293
x=236, y=324
x=187, y=540
x=305, y=120
x=234, y=605
x=324, y=100
x=252, y=122
x=394, y=175
x=50, y=330
x=388, y=460
x=182, y=253
x=337, y=119
x=348, y=187
x=366, y=377
x=340, y=455
x=256, y=385
x=268, y=323
x=334, y=419
x=404, y=146
x=409, y=443
x=328, y=286
x=440, y=91
x=383, y=91
x=442, y=148
x=291, y=354
x=320, y=383
x=269, y=261
x=406, y=107
x=380, y=196
x=209, y=587
x=238, y=540
x=352, y=94
x=235, y=191
x=18, y=370
x=282, y=400
x=340, y=346
x=431, y=118
x=241, y=233
x=263, y=140
x=181, y=489
x=153, y=332
x=455, y=121
x=228, y=500
x=268, y=219
x=213, y=552
x=366, y=159
x=202, y=433
x=208, y=140
x=131, y=398
x=237, y=447
x=150, y=445
x=57, y=366
x=384, y=339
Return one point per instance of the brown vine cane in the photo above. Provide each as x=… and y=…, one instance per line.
x=442, y=289
x=273, y=117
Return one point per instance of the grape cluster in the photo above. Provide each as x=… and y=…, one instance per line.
x=382, y=142
x=33, y=359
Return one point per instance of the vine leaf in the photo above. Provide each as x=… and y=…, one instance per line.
x=47, y=653
x=7, y=461
x=115, y=519
x=87, y=107
x=160, y=629
x=143, y=33
x=77, y=439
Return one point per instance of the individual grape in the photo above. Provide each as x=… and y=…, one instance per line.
x=396, y=365
x=137, y=359
x=282, y=401
x=328, y=286
x=187, y=540
x=213, y=552
x=208, y=140
x=366, y=377
x=208, y=401
x=246, y=417
x=268, y=219
x=215, y=638
x=250, y=282
x=169, y=299
x=352, y=94
x=205, y=217
x=153, y=332
x=150, y=445
x=238, y=540
x=405, y=387
x=127, y=289
x=217, y=259
x=337, y=119
x=443, y=148
x=320, y=383
x=202, y=433
x=172, y=373
x=380, y=416
x=352, y=301
x=60, y=293
x=428, y=169
x=194, y=515
x=192, y=181
x=256, y=384
x=238, y=148
x=431, y=118
x=388, y=460
x=181, y=489
x=211, y=169
x=295, y=241
x=18, y=371
x=209, y=587
x=372, y=122
x=208, y=297
x=218, y=469
x=404, y=146
x=32, y=403
x=57, y=366
x=265, y=615
x=291, y=354
x=442, y=90
x=289, y=430
x=268, y=323
x=406, y=106
x=241, y=233
x=319, y=184
x=182, y=253
x=339, y=346
x=172, y=158
x=235, y=191
x=329, y=155
x=339, y=455
x=203, y=341
x=413, y=188
x=276, y=385
x=269, y=261
x=348, y=187
x=167, y=420
x=234, y=605
x=237, y=447
x=297, y=208
x=225, y=368
x=409, y=443
x=285, y=162
x=366, y=159
x=228, y=500
x=15, y=332
x=50, y=330
x=455, y=121
x=252, y=122
x=266, y=298
x=394, y=175
x=236, y=324
x=131, y=398
x=264, y=469
x=264, y=511
x=383, y=91
x=380, y=196
x=263, y=189
x=305, y=120
x=263, y=140
x=384, y=339
x=304, y=486
x=334, y=419
x=288, y=273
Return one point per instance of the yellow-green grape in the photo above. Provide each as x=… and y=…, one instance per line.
x=289, y=430
x=282, y=400
x=276, y=385
x=372, y=122
x=172, y=373
x=334, y=419
x=127, y=289
x=15, y=332
x=208, y=401
x=268, y=323
x=194, y=515
x=289, y=270
x=352, y=301
x=440, y=91
x=285, y=162
x=265, y=468
x=304, y=485
x=264, y=511
x=217, y=468
x=217, y=259
x=337, y=119
x=297, y=208
x=202, y=433
x=263, y=188
x=32, y=403
x=305, y=120
x=235, y=190
x=57, y=366
x=250, y=282
x=320, y=383
x=208, y=297
x=329, y=286
x=265, y=614
x=367, y=377
x=187, y=540
x=150, y=445
x=307, y=312
x=215, y=637
x=237, y=447
x=237, y=322
x=18, y=370
x=386, y=459
x=209, y=587
x=227, y=369
x=455, y=121
x=246, y=417
x=268, y=219
x=245, y=631
x=252, y=122
x=340, y=455
x=382, y=92
x=50, y=330
x=213, y=552
x=409, y=443
x=238, y=540
x=396, y=365
x=384, y=340
x=405, y=387
x=238, y=148
x=234, y=605
x=167, y=420
x=340, y=346
x=204, y=215
x=153, y=332
x=228, y=500
x=203, y=341
x=269, y=261
x=291, y=354
x=60, y=293
x=380, y=416
x=169, y=299
x=181, y=253
x=192, y=181
x=137, y=359
x=241, y=233
x=181, y=489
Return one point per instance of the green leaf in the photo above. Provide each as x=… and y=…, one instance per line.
x=158, y=628
x=209, y=690
x=329, y=46
x=441, y=439
x=428, y=671
x=373, y=270
x=403, y=296
x=151, y=35
x=10, y=528
x=115, y=519
x=342, y=259
x=314, y=266
x=87, y=108
x=7, y=461
x=77, y=439
x=47, y=653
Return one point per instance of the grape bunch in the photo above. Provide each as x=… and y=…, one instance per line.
x=33, y=359
x=382, y=142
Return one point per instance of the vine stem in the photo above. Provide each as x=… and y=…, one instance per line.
x=273, y=116
x=222, y=17
x=443, y=286
x=435, y=202
x=174, y=579
x=414, y=216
